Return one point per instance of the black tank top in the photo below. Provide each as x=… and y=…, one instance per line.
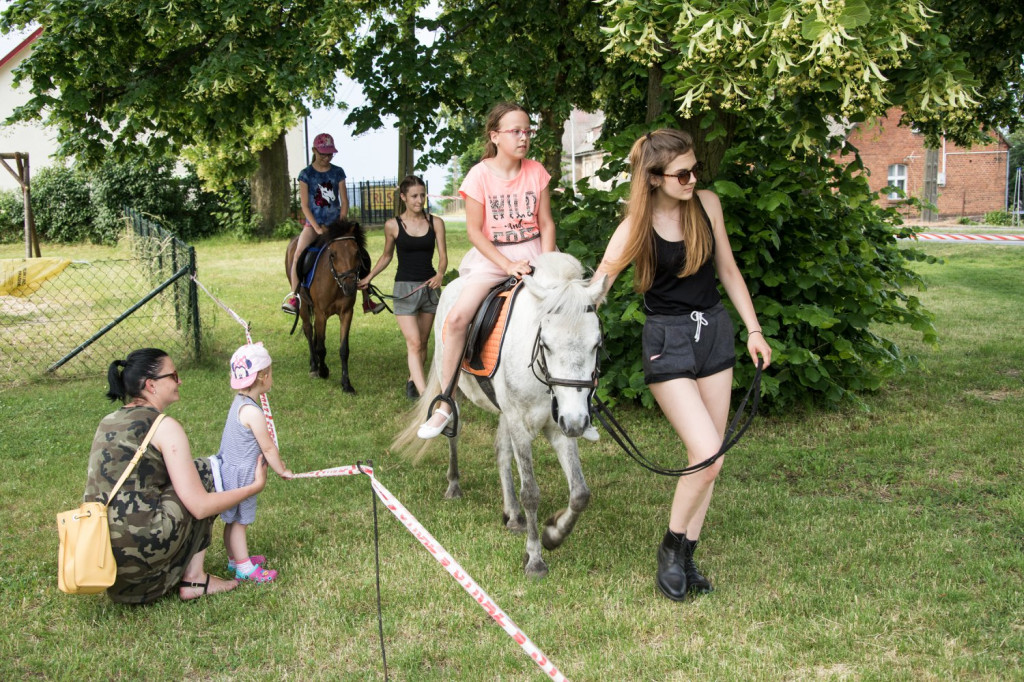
x=415, y=254
x=673, y=295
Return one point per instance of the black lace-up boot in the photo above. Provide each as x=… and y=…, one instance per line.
x=696, y=582
x=671, y=578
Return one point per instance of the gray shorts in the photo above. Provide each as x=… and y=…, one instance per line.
x=689, y=346
x=412, y=298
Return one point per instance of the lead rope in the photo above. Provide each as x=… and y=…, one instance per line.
x=732, y=434
x=374, y=292
x=376, y=559
x=264, y=401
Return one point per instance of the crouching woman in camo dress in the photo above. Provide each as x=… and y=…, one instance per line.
x=160, y=519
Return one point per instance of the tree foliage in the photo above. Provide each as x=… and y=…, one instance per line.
x=812, y=63
x=215, y=81
x=544, y=54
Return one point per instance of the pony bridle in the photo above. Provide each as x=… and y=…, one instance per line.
x=538, y=361
x=347, y=280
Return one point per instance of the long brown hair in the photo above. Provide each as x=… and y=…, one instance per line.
x=493, y=121
x=649, y=157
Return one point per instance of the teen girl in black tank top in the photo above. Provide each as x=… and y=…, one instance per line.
x=415, y=254
x=671, y=295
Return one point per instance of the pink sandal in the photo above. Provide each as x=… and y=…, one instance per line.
x=258, y=574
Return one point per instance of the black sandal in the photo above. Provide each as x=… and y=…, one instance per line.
x=205, y=586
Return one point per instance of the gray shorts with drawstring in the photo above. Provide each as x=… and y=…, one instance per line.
x=690, y=346
x=412, y=298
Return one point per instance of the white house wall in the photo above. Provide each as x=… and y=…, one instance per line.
x=32, y=138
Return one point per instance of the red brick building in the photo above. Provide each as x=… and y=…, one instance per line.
x=958, y=181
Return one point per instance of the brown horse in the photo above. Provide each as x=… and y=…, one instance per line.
x=331, y=292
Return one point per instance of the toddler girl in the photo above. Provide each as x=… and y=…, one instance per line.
x=245, y=438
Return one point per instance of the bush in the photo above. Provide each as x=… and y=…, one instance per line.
x=233, y=212
x=12, y=216
x=998, y=218
x=62, y=206
x=150, y=187
x=821, y=260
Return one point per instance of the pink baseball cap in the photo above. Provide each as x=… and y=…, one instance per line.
x=324, y=144
x=246, y=362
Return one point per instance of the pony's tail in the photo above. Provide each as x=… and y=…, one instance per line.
x=407, y=443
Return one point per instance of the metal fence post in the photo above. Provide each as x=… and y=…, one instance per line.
x=193, y=300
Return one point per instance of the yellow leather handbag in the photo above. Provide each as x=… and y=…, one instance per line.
x=85, y=561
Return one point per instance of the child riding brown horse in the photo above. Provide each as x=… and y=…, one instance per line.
x=331, y=291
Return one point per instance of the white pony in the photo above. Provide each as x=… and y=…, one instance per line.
x=547, y=369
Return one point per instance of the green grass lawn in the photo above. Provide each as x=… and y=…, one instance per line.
x=882, y=541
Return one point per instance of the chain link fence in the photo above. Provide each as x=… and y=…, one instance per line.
x=75, y=323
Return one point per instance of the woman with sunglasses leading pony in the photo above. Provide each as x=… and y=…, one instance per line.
x=674, y=235
x=160, y=519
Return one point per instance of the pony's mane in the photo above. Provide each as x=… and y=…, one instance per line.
x=562, y=275
x=343, y=228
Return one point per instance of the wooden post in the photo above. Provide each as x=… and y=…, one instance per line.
x=22, y=176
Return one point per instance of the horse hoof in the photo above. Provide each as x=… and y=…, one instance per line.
x=313, y=374
x=551, y=538
x=516, y=525
x=536, y=569
x=454, y=492
x=347, y=388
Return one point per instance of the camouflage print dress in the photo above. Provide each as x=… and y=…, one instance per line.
x=152, y=533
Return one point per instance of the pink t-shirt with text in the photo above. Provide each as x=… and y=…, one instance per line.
x=510, y=206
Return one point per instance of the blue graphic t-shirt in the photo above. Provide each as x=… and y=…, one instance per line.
x=324, y=192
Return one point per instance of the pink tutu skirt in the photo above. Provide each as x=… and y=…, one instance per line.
x=479, y=268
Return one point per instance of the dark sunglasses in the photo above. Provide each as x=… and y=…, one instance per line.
x=173, y=375
x=683, y=176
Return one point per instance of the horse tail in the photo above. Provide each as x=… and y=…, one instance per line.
x=407, y=442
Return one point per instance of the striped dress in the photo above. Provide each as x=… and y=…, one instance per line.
x=239, y=453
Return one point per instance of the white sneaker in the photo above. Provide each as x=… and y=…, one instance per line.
x=591, y=434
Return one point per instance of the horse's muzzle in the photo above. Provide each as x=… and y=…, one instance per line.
x=573, y=425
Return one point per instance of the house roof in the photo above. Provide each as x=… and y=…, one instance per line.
x=20, y=46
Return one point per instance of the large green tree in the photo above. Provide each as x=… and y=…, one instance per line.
x=218, y=82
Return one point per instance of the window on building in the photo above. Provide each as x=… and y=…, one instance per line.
x=897, y=178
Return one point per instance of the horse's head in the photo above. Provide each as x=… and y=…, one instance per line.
x=343, y=239
x=565, y=353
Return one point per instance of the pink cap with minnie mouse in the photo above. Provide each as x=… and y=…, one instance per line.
x=324, y=144
x=246, y=362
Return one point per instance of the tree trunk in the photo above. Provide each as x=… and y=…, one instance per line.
x=405, y=165
x=552, y=156
x=655, y=93
x=270, y=188
x=709, y=152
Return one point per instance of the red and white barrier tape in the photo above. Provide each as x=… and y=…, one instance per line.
x=445, y=559
x=439, y=553
x=937, y=237
x=264, y=402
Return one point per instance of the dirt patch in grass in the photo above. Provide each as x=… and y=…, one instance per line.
x=996, y=396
